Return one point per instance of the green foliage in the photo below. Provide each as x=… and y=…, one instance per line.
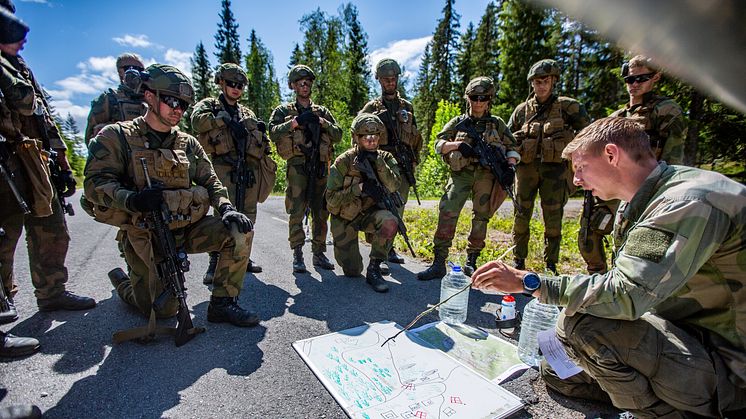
x=356, y=69
x=201, y=74
x=263, y=91
x=227, y=42
x=433, y=173
x=465, y=68
x=76, y=149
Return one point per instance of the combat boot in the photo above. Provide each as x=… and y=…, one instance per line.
x=471, y=263
x=13, y=346
x=117, y=277
x=66, y=301
x=385, y=269
x=552, y=267
x=253, y=268
x=227, y=310
x=211, y=267
x=519, y=263
x=394, y=257
x=436, y=271
x=8, y=312
x=298, y=265
x=373, y=276
x=320, y=260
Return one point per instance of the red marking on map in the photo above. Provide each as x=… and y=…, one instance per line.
x=456, y=400
x=420, y=414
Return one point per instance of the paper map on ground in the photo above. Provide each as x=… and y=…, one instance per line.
x=407, y=378
x=494, y=358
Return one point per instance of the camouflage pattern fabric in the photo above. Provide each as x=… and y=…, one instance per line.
x=543, y=174
x=665, y=124
x=113, y=106
x=344, y=192
x=297, y=180
x=594, y=251
x=679, y=250
x=471, y=180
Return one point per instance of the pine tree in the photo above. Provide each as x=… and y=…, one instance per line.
x=263, y=91
x=356, y=68
x=296, y=57
x=201, y=73
x=443, y=54
x=465, y=69
x=484, y=56
x=227, y=42
x=321, y=51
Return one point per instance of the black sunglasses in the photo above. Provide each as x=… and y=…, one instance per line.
x=640, y=78
x=479, y=98
x=174, y=102
x=234, y=84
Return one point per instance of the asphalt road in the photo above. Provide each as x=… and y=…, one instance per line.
x=227, y=371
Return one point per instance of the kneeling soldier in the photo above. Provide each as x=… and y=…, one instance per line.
x=354, y=200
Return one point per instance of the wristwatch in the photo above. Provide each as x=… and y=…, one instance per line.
x=531, y=283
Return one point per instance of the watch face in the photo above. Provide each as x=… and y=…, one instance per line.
x=531, y=281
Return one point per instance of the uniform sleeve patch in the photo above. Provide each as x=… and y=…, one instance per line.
x=648, y=243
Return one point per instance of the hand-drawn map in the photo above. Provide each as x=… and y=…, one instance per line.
x=407, y=378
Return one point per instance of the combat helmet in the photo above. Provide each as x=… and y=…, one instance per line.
x=231, y=72
x=129, y=59
x=542, y=68
x=480, y=86
x=168, y=80
x=387, y=68
x=299, y=72
x=366, y=124
x=12, y=29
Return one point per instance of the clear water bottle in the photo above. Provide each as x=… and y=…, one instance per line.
x=454, y=311
x=537, y=317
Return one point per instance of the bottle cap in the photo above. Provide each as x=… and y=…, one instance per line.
x=456, y=268
x=508, y=299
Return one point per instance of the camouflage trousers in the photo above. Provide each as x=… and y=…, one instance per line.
x=251, y=196
x=649, y=366
x=295, y=206
x=551, y=181
x=593, y=247
x=382, y=226
x=47, y=239
x=486, y=195
x=404, y=192
x=206, y=235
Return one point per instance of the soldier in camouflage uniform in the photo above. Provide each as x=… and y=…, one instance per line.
x=661, y=332
x=665, y=125
x=124, y=104
x=26, y=124
x=186, y=184
x=401, y=127
x=212, y=119
x=468, y=177
x=354, y=202
x=543, y=125
x=291, y=129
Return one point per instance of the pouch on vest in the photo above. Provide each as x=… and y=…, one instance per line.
x=352, y=209
x=267, y=178
x=219, y=141
x=528, y=150
x=285, y=142
x=553, y=145
x=255, y=146
x=110, y=216
x=168, y=167
x=35, y=163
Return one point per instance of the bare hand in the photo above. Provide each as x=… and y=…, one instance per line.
x=498, y=276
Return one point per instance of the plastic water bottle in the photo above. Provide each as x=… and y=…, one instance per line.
x=537, y=317
x=454, y=311
x=507, y=308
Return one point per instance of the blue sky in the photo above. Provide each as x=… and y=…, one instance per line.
x=72, y=45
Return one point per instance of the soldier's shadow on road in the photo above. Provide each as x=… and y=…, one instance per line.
x=143, y=380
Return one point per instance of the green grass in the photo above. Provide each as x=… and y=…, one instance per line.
x=422, y=223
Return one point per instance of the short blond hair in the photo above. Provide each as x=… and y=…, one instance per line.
x=623, y=132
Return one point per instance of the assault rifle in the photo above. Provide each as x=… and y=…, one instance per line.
x=490, y=157
x=313, y=167
x=391, y=201
x=585, y=218
x=402, y=152
x=171, y=264
x=241, y=175
x=55, y=173
x=8, y=176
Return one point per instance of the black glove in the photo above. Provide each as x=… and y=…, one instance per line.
x=307, y=118
x=70, y=183
x=466, y=150
x=508, y=176
x=371, y=189
x=231, y=216
x=148, y=199
x=262, y=127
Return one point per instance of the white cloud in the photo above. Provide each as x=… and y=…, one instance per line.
x=407, y=52
x=35, y=1
x=137, y=41
x=179, y=59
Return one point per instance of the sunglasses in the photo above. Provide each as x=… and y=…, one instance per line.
x=174, y=102
x=479, y=98
x=304, y=83
x=133, y=67
x=640, y=78
x=370, y=137
x=234, y=84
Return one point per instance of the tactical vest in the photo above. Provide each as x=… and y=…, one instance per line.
x=219, y=141
x=289, y=145
x=352, y=178
x=402, y=121
x=551, y=131
x=642, y=114
x=490, y=135
x=123, y=108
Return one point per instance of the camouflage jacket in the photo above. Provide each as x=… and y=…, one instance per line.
x=681, y=254
x=558, y=120
x=17, y=99
x=493, y=131
x=39, y=127
x=343, y=194
x=215, y=136
x=288, y=140
x=110, y=171
x=113, y=106
x=401, y=120
x=665, y=124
